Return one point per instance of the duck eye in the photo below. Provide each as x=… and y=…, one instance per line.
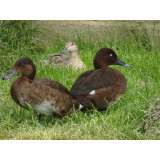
x=72, y=44
x=22, y=64
x=110, y=55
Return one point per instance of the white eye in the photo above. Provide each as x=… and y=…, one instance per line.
x=111, y=55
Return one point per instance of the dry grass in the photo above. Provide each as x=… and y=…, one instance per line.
x=151, y=120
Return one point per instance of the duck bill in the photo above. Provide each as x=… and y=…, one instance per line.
x=64, y=51
x=121, y=63
x=11, y=74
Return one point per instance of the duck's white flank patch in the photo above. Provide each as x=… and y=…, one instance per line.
x=92, y=92
x=80, y=107
x=46, y=108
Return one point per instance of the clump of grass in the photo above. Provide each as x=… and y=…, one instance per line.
x=17, y=35
x=17, y=39
x=151, y=119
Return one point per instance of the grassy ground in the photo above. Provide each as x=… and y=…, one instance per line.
x=133, y=117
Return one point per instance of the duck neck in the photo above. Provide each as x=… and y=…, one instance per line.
x=74, y=54
x=31, y=77
x=100, y=66
x=28, y=77
x=30, y=73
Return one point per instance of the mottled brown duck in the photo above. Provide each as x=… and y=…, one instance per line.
x=47, y=97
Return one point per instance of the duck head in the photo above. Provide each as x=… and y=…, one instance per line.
x=24, y=67
x=70, y=47
x=106, y=57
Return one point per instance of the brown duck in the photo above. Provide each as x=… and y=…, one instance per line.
x=47, y=97
x=103, y=86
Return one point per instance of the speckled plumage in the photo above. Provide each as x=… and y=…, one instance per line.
x=47, y=97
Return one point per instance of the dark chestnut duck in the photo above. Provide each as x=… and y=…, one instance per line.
x=47, y=97
x=103, y=86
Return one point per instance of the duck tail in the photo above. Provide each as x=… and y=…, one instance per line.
x=77, y=104
x=85, y=102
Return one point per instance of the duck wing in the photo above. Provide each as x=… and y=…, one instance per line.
x=95, y=80
x=52, y=84
x=58, y=58
x=48, y=101
x=81, y=79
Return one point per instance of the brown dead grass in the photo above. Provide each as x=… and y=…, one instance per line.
x=152, y=118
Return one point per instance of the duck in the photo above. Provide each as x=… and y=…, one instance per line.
x=71, y=60
x=46, y=96
x=103, y=86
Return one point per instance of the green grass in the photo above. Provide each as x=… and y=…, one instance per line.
x=124, y=120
